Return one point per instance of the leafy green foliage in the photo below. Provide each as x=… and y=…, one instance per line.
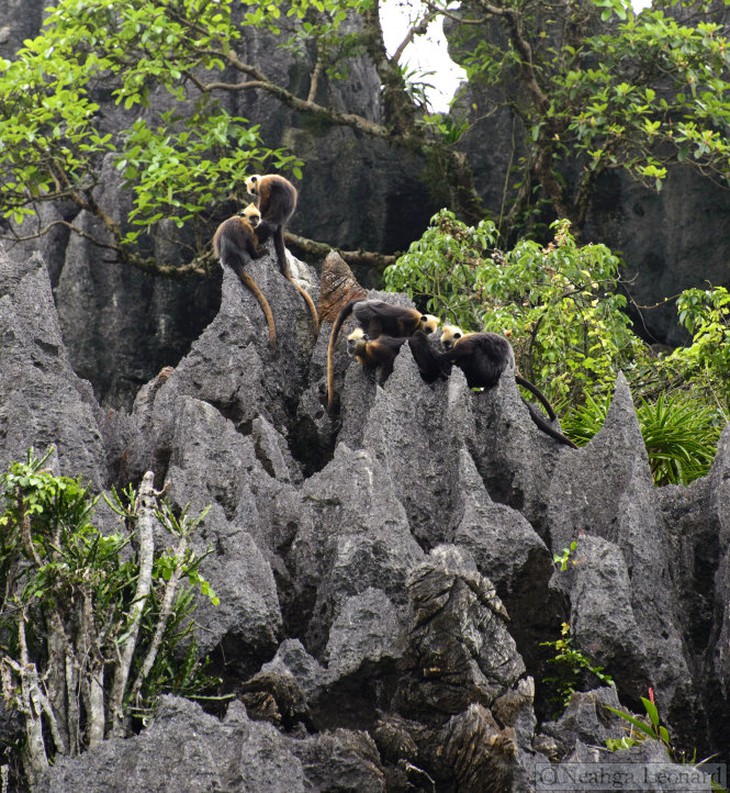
x=639, y=93
x=582, y=422
x=631, y=123
x=645, y=729
x=573, y=667
x=602, y=87
x=680, y=432
x=69, y=593
x=558, y=303
x=651, y=728
x=706, y=315
x=559, y=306
x=562, y=559
x=178, y=164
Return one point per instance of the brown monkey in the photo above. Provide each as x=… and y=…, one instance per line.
x=235, y=243
x=276, y=198
x=382, y=352
x=483, y=357
x=375, y=353
x=376, y=318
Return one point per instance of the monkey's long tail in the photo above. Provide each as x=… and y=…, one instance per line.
x=536, y=391
x=336, y=325
x=253, y=287
x=542, y=424
x=284, y=267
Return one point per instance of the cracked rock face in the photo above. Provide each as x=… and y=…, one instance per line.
x=385, y=573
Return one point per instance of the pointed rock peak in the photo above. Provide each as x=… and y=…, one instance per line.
x=338, y=286
x=621, y=428
x=721, y=465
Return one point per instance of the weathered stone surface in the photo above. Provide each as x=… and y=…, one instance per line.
x=587, y=719
x=504, y=545
x=382, y=605
x=354, y=535
x=42, y=401
x=605, y=490
x=186, y=749
x=368, y=630
x=459, y=648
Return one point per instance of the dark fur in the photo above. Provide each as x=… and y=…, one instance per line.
x=376, y=318
x=276, y=198
x=431, y=366
x=377, y=353
x=234, y=238
x=235, y=243
x=483, y=357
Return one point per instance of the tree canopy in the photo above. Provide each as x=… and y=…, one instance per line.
x=594, y=85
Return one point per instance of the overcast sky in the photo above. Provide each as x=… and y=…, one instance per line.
x=428, y=53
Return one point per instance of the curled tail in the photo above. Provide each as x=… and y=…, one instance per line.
x=540, y=396
x=336, y=325
x=286, y=272
x=546, y=427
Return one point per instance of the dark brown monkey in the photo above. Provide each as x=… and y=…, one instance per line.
x=376, y=318
x=235, y=243
x=276, y=198
x=428, y=360
x=483, y=357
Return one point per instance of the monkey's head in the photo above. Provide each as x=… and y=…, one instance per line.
x=252, y=215
x=252, y=184
x=428, y=323
x=356, y=342
x=450, y=334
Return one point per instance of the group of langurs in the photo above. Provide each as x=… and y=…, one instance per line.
x=383, y=328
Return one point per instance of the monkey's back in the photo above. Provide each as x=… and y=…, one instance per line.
x=483, y=357
x=277, y=199
x=234, y=237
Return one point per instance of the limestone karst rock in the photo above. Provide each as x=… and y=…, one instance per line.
x=384, y=599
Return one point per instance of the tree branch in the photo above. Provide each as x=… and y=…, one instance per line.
x=260, y=81
x=307, y=247
x=146, y=508
x=165, y=611
x=419, y=29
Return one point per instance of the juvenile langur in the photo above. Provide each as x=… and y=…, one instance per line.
x=376, y=318
x=276, y=198
x=235, y=243
x=429, y=363
x=375, y=353
x=483, y=357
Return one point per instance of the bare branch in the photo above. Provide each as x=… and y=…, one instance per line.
x=418, y=29
x=164, y=616
x=260, y=81
x=146, y=508
x=307, y=247
x=316, y=73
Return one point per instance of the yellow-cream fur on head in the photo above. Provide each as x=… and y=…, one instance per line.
x=450, y=334
x=428, y=323
x=252, y=215
x=356, y=341
x=252, y=184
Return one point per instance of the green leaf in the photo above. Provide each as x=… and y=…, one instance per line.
x=651, y=711
x=633, y=720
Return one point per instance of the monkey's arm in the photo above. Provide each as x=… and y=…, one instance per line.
x=265, y=230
